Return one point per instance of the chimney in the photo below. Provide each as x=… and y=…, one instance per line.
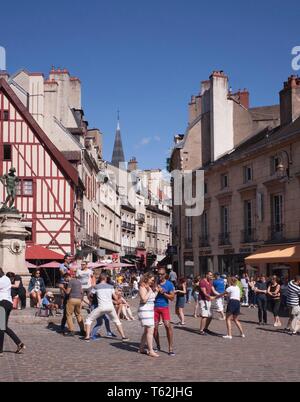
x=290, y=100
x=132, y=164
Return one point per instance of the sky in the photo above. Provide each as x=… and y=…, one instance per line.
x=147, y=57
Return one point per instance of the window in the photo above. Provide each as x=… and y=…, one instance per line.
x=248, y=216
x=274, y=164
x=277, y=208
x=224, y=219
x=7, y=152
x=247, y=174
x=224, y=180
x=4, y=115
x=24, y=188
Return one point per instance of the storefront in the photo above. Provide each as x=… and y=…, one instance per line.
x=280, y=260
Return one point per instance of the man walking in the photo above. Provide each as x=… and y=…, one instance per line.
x=206, y=295
x=161, y=308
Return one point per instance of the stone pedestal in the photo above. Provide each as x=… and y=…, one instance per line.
x=12, y=244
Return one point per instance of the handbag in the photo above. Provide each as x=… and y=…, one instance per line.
x=42, y=312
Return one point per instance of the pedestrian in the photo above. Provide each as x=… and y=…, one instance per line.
x=161, y=308
x=135, y=287
x=148, y=293
x=260, y=289
x=195, y=294
x=189, y=289
x=64, y=267
x=206, y=295
x=36, y=288
x=65, y=297
x=293, y=304
x=87, y=280
x=105, y=295
x=233, y=307
x=5, y=310
x=274, y=295
x=180, y=300
x=173, y=277
x=17, y=288
x=244, y=282
x=252, y=295
x=219, y=285
x=74, y=290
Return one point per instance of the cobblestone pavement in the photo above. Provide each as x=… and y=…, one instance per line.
x=266, y=354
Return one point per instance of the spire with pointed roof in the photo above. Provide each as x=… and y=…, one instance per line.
x=118, y=153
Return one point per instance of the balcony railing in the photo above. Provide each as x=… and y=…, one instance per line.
x=248, y=235
x=277, y=232
x=129, y=250
x=188, y=243
x=141, y=244
x=128, y=225
x=151, y=228
x=204, y=241
x=224, y=239
x=140, y=218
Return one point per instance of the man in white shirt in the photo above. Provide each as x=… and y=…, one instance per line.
x=105, y=295
x=5, y=310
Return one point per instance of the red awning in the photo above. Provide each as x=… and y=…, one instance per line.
x=42, y=253
x=52, y=264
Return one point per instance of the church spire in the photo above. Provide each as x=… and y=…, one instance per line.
x=118, y=153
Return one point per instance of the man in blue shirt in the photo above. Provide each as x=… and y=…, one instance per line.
x=219, y=285
x=161, y=308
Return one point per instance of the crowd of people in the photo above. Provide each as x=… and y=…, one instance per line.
x=104, y=301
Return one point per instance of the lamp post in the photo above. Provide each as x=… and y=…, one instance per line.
x=283, y=167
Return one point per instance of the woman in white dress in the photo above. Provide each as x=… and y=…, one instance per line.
x=147, y=294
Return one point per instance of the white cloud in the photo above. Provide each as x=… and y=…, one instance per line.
x=145, y=141
x=156, y=138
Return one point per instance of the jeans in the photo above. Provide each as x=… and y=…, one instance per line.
x=252, y=297
x=189, y=295
x=245, y=295
x=99, y=323
x=7, y=307
x=262, y=309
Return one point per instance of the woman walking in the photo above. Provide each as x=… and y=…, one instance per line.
x=180, y=300
x=233, y=308
x=146, y=312
x=274, y=293
x=5, y=308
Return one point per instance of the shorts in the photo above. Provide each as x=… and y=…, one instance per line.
x=180, y=302
x=233, y=307
x=196, y=296
x=163, y=312
x=220, y=304
x=205, y=308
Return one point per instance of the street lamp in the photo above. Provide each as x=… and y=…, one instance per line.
x=283, y=166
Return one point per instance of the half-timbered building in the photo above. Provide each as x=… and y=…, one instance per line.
x=47, y=187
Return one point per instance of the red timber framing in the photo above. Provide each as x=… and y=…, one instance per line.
x=48, y=180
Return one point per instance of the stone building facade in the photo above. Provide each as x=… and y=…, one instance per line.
x=251, y=183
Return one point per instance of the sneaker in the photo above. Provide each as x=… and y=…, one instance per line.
x=293, y=333
x=171, y=353
x=125, y=339
x=202, y=333
x=243, y=336
x=20, y=348
x=227, y=337
x=95, y=337
x=111, y=335
x=157, y=349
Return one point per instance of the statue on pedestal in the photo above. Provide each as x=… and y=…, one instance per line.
x=10, y=181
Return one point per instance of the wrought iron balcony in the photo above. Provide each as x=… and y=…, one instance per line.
x=204, y=241
x=277, y=233
x=248, y=235
x=128, y=225
x=224, y=239
x=140, y=218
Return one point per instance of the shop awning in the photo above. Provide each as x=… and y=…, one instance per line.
x=275, y=254
x=42, y=253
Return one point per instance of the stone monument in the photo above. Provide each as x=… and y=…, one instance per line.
x=12, y=231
